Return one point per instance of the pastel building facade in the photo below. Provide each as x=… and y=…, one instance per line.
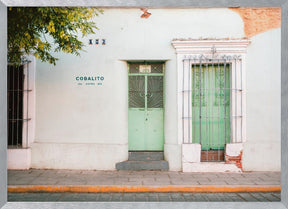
x=200, y=85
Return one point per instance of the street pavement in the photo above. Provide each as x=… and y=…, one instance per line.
x=144, y=197
x=136, y=178
x=52, y=180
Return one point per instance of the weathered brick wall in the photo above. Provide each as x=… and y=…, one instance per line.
x=258, y=20
x=234, y=160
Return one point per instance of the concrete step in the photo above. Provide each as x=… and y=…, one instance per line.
x=159, y=165
x=145, y=156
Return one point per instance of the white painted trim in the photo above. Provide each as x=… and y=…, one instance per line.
x=21, y=158
x=191, y=159
x=179, y=96
x=189, y=47
x=191, y=153
x=233, y=149
x=226, y=47
x=244, y=130
x=26, y=142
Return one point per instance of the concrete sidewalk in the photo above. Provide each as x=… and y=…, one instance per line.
x=34, y=180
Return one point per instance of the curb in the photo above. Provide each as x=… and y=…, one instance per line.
x=105, y=189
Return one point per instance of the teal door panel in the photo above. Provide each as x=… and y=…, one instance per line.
x=137, y=130
x=146, y=122
x=211, y=106
x=154, y=129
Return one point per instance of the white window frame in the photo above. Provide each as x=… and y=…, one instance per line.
x=20, y=158
x=29, y=75
x=213, y=48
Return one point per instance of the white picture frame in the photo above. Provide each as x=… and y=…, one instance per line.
x=150, y=4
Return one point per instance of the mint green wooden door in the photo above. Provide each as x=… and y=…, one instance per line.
x=145, y=114
x=211, y=105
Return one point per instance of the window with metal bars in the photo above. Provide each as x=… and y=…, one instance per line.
x=17, y=96
x=212, y=104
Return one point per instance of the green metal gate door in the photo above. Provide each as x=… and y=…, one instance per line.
x=211, y=105
x=146, y=107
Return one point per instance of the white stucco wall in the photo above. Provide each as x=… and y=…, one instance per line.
x=262, y=150
x=95, y=117
x=18, y=159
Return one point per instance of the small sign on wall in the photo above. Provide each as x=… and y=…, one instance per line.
x=89, y=80
x=97, y=41
x=145, y=68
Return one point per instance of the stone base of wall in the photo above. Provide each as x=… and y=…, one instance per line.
x=77, y=156
x=262, y=156
x=172, y=154
x=233, y=154
x=210, y=167
x=18, y=159
x=191, y=159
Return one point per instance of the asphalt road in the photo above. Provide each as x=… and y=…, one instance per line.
x=144, y=197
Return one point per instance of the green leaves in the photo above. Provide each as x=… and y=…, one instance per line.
x=28, y=28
